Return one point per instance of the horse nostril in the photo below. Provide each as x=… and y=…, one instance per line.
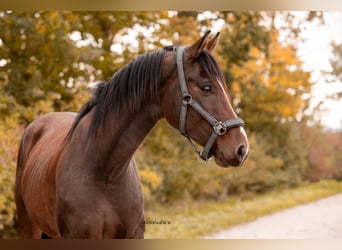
x=241, y=153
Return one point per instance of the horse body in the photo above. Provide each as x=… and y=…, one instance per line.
x=76, y=175
x=97, y=202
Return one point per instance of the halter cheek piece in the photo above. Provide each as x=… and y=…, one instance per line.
x=219, y=127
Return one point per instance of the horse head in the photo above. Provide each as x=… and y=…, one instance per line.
x=195, y=100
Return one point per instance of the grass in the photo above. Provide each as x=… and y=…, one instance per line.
x=195, y=219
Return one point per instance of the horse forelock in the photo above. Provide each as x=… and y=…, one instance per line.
x=211, y=66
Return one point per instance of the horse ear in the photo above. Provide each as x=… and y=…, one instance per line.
x=196, y=49
x=213, y=42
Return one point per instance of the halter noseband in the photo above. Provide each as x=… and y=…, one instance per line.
x=219, y=127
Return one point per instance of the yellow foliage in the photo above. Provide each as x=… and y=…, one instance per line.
x=80, y=97
x=10, y=134
x=258, y=157
x=272, y=84
x=150, y=182
x=150, y=179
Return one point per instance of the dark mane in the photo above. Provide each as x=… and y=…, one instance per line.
x=132, y=85
x=125, y=92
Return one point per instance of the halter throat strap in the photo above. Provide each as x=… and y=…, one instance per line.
x=219, y=127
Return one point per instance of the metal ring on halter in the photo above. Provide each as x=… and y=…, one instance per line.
x=219, y=128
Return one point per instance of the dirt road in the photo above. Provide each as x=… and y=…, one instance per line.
x=317, y=220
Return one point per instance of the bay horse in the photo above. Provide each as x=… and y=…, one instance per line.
x=76, y=175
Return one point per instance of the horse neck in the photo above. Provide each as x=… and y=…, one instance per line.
x=112, y=151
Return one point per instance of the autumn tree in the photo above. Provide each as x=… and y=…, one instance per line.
x=39, y=63
x=271, y=89
x=271, y=92
x=324, y=161
x=47, y=59
x=133, y=32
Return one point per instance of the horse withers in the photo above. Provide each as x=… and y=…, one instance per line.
x=76, y=175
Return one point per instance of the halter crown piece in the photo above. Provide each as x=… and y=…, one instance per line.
x=219, y=127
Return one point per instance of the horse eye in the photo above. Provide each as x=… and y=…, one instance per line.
x=206, y=89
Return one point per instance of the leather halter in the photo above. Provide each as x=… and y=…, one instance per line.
x=219, y=127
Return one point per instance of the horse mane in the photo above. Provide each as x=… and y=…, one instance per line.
x=130, y=86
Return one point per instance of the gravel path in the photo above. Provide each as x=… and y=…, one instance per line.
x=317, y=220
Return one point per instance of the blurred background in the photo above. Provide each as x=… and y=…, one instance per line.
x=283, y=69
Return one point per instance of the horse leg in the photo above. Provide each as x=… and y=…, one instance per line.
x=139, y=232
x=81, y=227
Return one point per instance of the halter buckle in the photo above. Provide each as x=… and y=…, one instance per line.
x=219, y=128
x=187, y=97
